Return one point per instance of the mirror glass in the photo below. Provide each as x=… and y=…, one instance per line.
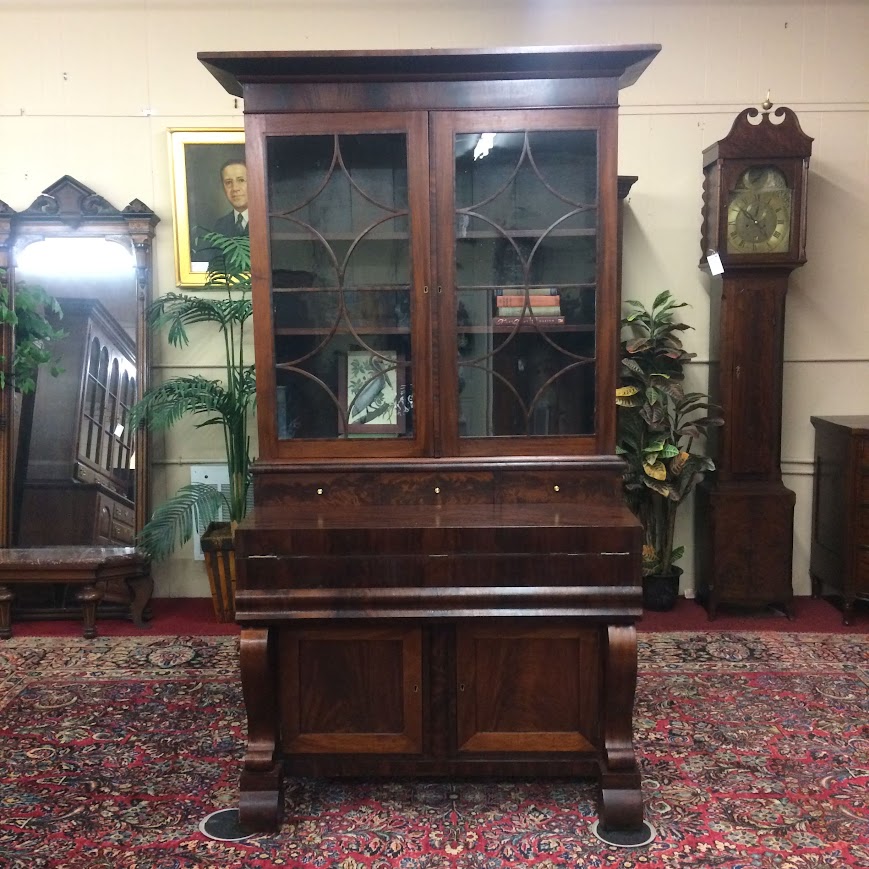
x=73, y=473
x=74, y=480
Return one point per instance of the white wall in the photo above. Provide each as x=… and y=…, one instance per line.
x=90, y=88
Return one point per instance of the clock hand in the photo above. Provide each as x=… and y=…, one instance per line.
x=749, y=215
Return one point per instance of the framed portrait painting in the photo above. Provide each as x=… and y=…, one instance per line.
x=209, y=191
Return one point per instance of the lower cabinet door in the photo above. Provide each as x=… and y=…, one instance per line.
x=351, y=690
x=527, y=689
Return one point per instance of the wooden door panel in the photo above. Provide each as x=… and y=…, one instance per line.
x=351, y=690
x=527, y=689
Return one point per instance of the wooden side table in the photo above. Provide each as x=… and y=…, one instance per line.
x=840, y=510
x=87, y=566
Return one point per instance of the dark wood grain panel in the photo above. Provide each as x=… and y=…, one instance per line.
x=415, y=571
x=593, y=603
x=527, y=689
x=757, y=571
x=840, y=510
x=556, y=486
x=750, y=372
x=329, y=489
x=351, y=690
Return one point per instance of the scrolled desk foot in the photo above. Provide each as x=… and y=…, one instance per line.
x=621, y=821
x=621, y=804
x=621, y=807
x=261, y=801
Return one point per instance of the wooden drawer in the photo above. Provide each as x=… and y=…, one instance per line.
x=122, y=533
x=554, y=486
x=123, y=514
x=322, y=490
x=114, y=522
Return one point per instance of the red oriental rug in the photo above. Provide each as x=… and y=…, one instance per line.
x=754, y=749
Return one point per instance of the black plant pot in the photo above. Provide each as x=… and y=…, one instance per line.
x=661, y=590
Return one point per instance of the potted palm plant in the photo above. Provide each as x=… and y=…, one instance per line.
x=227, y=404
x=660, y=427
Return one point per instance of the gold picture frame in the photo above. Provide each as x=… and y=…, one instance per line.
x=198, y=201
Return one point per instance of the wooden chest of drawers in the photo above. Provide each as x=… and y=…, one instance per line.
x=61, y=513
x=840, y=510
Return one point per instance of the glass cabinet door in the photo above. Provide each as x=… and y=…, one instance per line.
x=341, y=285
x=522, y=255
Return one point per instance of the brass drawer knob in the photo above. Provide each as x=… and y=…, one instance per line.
x=319, y=491
x=556, y=488
x=437, y=490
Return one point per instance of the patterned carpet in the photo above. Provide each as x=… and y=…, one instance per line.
x=754, y=749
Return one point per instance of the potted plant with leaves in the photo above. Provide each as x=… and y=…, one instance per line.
x=660, y=430
x=35, y=320
x=34, y=317
x=227, y=404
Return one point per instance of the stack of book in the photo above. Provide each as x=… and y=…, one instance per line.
x=541, y=305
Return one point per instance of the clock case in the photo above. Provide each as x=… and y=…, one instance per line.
x=772, y=138
x=744, y=518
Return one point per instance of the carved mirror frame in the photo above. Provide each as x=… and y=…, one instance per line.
x=69, y=209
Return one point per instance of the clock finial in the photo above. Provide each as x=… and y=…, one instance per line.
x=766, y=105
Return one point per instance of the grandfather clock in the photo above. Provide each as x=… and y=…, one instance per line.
x=754, y=220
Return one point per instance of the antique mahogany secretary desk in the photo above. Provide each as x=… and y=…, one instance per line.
x=439, y=576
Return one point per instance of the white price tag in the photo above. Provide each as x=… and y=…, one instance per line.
x=714, y=261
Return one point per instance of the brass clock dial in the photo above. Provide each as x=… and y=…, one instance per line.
x=759, y=213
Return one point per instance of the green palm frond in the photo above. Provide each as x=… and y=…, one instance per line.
x=166, y=404
x=175, y=521
x=178, y=311
x=231, y=266
x=227, y=403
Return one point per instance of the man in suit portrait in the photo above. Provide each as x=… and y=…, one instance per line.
x=233, y=179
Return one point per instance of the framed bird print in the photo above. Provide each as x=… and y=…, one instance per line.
x=372, y=391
